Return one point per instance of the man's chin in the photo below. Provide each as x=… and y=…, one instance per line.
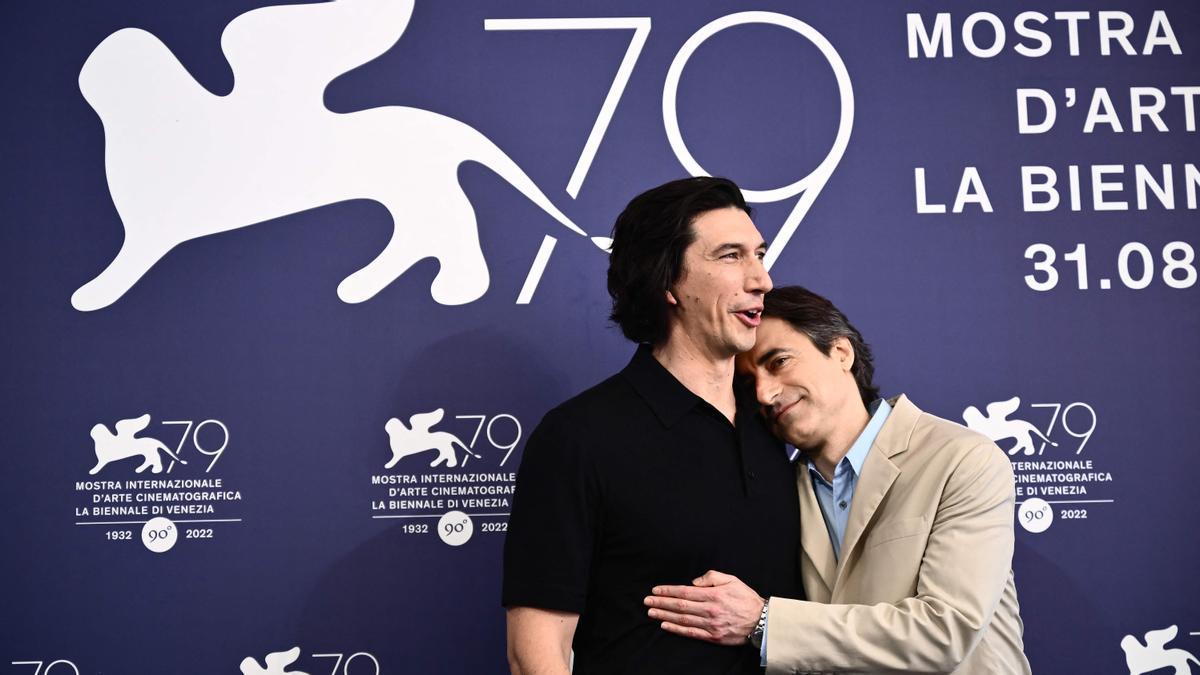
x=732, y=348
x=791, y=436
x=743, y=343
x=779, y=432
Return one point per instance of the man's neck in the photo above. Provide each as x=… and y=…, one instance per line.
x=827, y=456
x=708, y=376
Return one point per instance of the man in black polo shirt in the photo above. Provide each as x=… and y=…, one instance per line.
x=594, y=524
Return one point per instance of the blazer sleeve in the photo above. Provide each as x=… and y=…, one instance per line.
x=967, y=562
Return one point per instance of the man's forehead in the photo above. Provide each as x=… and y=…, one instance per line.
x=725, y=226
x=774, y=336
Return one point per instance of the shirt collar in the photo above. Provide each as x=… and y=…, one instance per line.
x=857, y=455
x=665, y=395
x=879, y=410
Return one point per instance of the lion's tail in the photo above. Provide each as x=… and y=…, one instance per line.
x=1039, y=434
x=490, y=155
x=167, y=450
x=465, y=448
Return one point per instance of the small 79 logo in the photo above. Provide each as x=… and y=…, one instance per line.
x=38, y=670
x=277, y=662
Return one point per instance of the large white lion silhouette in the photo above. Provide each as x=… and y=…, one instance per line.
x=183, y=163
x=1154, y=655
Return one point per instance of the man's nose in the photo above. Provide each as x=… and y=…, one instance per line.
x=765, y=391
x=757, y=278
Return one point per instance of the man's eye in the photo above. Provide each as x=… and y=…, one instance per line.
x=762, y=255
x=776, y=364
x=731, y=256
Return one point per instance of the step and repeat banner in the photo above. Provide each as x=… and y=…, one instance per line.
x=286, y=288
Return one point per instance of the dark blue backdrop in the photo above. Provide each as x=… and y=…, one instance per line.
x=246, y=328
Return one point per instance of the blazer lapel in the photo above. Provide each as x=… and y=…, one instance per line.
x=814, y=538
x=878, y=475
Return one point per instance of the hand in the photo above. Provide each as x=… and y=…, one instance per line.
x=717, y=608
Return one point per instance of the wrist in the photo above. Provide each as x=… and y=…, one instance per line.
x=755, y=637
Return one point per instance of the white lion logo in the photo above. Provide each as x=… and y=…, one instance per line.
x=183, y=163
x=123, y=444
x=419, y=438
x=998, y=427
x=276, y=663
x=1154, y=656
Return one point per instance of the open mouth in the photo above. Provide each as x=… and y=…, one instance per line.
x=750, y=317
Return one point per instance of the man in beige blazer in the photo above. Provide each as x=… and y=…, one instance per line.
x=906, y=522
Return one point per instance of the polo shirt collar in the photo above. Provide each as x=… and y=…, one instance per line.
x=665, y=395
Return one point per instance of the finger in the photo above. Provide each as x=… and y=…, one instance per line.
x=714, y=578
x=679, y=619
x=687, y=631
x=684, y=592
x=677, y=605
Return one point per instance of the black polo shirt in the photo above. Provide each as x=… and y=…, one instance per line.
x=638, y=482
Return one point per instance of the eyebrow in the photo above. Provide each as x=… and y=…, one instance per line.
x=770, y=354
x=734, y=246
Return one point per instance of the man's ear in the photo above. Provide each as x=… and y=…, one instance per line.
x=671, y=298
x=843, y=352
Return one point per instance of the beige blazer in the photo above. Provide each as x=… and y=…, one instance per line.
x=925, y=580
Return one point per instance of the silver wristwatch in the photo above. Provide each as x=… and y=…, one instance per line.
x=756, y=636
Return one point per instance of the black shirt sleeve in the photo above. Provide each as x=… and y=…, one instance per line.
x=554, y=520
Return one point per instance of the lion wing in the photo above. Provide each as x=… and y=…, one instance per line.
x=130, y=427
x=295, y=51
x=1156, y=639
x=1002, y=409
x=423, y=422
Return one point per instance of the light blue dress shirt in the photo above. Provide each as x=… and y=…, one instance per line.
x=835, y=498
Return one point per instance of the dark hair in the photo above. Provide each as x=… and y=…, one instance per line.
x=649, y=239
x=823, y=323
